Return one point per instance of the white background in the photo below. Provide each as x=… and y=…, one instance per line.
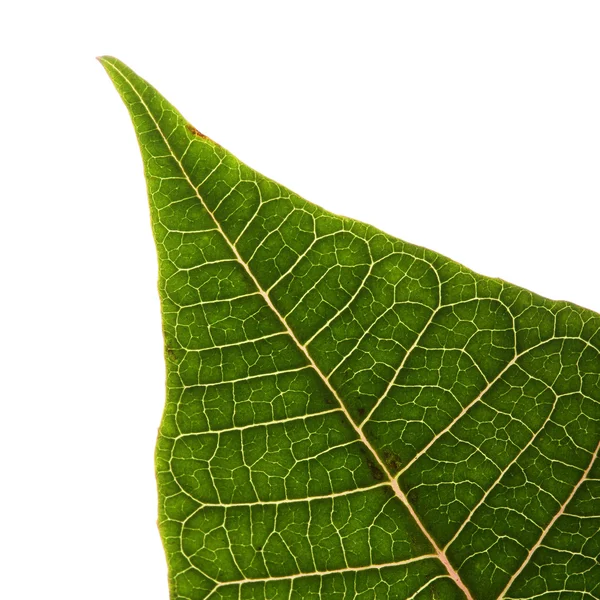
x=472, y=128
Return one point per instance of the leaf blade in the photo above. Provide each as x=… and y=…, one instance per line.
x=387, y=327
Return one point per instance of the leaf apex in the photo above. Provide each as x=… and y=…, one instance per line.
x=105, y=58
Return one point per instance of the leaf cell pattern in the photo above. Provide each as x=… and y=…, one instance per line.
x=352, y=416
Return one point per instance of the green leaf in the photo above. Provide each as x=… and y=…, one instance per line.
x=349, y=415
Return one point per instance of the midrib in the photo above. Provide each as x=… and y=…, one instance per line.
x=392, y=481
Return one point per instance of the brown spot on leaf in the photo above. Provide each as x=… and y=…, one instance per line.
x=392, y=460
x=193, y=130
x=375, y=470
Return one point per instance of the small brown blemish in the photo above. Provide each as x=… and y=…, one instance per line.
x=375, y=470
x=170, y=353
x=193, y=130
x=392, y=460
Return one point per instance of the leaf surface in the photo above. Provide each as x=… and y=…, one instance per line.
x=349, y=415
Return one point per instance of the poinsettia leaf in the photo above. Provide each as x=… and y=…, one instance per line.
x=349, y=415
